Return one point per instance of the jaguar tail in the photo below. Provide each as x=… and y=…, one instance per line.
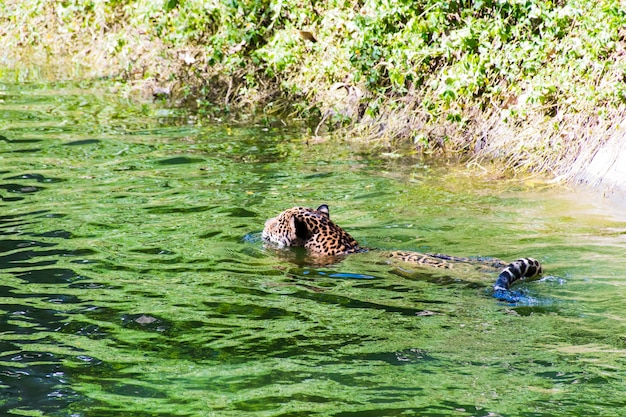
x=522, y=268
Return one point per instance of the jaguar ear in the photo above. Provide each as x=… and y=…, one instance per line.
x=324, y=209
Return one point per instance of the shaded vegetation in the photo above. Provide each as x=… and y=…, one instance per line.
x=458, y=76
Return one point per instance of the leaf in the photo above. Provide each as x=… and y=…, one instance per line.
x=307, y=36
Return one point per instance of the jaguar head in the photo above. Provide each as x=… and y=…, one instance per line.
x=309, y=228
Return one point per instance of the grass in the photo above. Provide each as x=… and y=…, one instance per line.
x=533, y=84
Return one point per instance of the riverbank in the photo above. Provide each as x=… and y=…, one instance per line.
x=536, y=85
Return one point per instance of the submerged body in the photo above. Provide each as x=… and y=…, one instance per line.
x=314, y=230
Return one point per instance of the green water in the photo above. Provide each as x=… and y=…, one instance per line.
x=134, y=282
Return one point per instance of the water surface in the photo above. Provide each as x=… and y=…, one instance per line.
x=134, y=282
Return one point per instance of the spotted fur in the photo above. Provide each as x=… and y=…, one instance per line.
x=313, y=229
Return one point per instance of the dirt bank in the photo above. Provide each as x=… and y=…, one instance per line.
x=604, y=168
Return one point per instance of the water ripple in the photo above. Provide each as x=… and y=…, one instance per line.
x=135, y=282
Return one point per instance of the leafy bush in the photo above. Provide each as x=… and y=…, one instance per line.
x=426, y=64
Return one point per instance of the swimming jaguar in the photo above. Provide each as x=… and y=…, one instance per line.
x=315, y=231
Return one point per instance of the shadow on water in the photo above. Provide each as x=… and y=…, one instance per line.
x=37, y=370
x=33, y=378
x=33, y=369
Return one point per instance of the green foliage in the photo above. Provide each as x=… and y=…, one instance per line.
x=449, y=57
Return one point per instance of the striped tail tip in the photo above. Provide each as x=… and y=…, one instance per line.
x=522, y=268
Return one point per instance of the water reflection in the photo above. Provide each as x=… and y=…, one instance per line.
x=32, y=374
x=134, y=281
